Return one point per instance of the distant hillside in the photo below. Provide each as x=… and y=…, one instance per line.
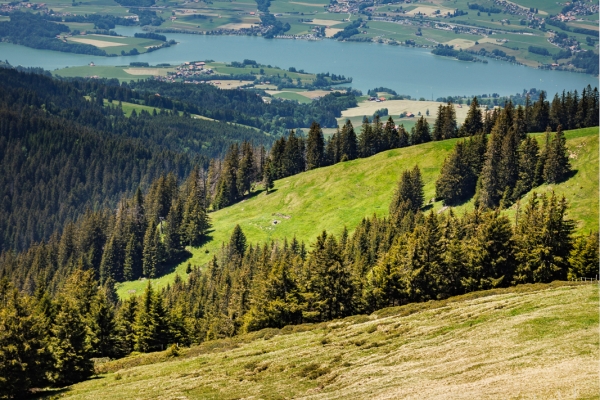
x=62, y=151
x=529, y=341
x=342, y=195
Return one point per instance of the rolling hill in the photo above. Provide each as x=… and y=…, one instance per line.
x=341, y=195
x=529, y=341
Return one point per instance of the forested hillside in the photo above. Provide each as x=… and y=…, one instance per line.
x=108, y=198
x=61, y=154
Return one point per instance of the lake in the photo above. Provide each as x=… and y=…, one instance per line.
x=410, y=71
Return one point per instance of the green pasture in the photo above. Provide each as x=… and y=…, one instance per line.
x=293, y=96
x=341, y=195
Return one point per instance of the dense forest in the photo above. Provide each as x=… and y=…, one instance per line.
x=123, y=201
x=244, y=107
x=32, y=30
x=61, y=154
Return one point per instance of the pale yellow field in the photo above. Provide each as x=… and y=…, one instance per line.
x=145, y=71
x=97, y=43
x=396, y=107
x=461, y=43
x=324, y=22
x=532, y=344
x=232, y=84
x=235, y=26
x=329, y=32
x=308, y=4
x=429, y=10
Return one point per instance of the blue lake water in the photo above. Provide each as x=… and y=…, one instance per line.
x=411, y=71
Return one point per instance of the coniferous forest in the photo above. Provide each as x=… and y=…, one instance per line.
x=91, y=198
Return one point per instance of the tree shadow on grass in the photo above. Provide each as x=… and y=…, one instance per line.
x=174, y=261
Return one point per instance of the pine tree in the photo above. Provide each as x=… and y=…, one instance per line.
x=246, y=170
x=508, y=168
x=104, y=327
x=490, y=254
x=348, y=142
x=473, y=122
x=528, y=159
x=409, y=193
x=543, y=239
x=367, y=145
x=489, y=192
x=24, y=356
x=541, y=113
x=420, y=132
x=452, y=186
x=584, y=257
x=438, y=125
x=227, y=189
x=268, y=176
x=149, y=334
x=237, y=242
x=71, y=343
x=110, y=266
x=315, y=145
x=329, y=286
x=293, y=156
x=557, y=166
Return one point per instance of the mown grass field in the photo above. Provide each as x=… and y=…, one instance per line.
x=342, y=195
x=120, y=72
x=526, y=342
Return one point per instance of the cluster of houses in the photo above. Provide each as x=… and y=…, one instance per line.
x=16, y=6
x=191, y=69
x=578, y=9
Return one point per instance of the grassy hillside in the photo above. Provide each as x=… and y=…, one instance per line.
x=529, y=341
x=329, y=198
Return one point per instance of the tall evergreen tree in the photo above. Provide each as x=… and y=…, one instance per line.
x=348, y=142
x=420, y=132
x=473, y=122
x=315, y=146
x=557, y=165
x=268, y=176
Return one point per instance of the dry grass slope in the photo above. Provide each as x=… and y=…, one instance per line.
x=528, y=342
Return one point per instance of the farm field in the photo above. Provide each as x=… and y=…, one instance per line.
x=116, y=44
x=123, y=73
x=345, y=193
x=527, y=342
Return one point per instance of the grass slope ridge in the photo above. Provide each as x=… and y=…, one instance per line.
x=529, y=341
x=343, y=194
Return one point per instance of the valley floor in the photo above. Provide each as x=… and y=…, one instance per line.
x=530, y=341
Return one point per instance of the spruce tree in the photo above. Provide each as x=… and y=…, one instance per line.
x=268, y=176
x=315, y=146
x=348, y=142
x=420, y=132
x=528, y=159
x=489, y=192
x=237, y=242
x=557, y=165
x=473, y=122
x=25, y=359
x=584, y=258
x=451, y=186
x=367, y=144
x=246, y=170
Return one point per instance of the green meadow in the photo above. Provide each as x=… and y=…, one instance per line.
x=343, y=194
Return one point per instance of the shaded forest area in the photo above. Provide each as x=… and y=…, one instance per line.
x=61, y=154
